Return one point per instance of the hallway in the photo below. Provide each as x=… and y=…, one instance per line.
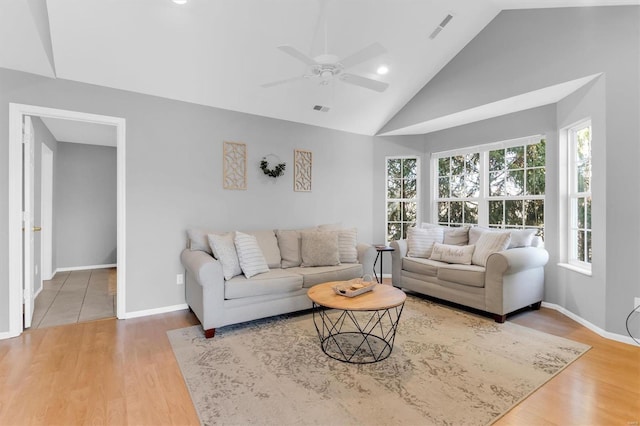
x=77, y=296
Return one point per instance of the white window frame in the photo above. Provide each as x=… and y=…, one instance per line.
x=386, y=191
x=572, y=196
x=483, y=197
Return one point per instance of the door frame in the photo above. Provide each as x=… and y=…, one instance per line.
x=46, y=212
x=16, y=114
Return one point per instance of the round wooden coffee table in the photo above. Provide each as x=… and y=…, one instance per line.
x=359, y=329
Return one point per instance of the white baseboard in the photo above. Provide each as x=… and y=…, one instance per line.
x=155, y=311
x=590, y=326
x=8, y=335
x=84, y=268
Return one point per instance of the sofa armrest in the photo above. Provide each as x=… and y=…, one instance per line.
x=204, y=287
x=514, y=279
x=400, y=251
x=515, y=260
x=366, y=257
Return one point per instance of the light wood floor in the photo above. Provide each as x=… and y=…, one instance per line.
x=124, y=372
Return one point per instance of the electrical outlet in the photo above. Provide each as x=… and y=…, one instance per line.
x=636, y=302
x=180, y=279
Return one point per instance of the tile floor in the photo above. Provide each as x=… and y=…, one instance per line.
x=76, y=296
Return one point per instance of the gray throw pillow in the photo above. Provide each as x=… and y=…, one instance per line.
x=319, y=248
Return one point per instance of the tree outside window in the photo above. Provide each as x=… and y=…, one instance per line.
x=498, y=185
x=580, y=194
x=402, y=196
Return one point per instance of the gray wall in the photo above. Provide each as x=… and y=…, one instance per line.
x=174, y=177
x=524, y=50
x=85, y=205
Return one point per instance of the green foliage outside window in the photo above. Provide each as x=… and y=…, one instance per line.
x=402, y=196
x=515, y=183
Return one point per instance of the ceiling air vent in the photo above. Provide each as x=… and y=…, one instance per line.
x=321, y=108
x=439, y=28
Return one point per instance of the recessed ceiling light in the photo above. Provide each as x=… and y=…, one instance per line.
x=382, y=69
x=180, y=1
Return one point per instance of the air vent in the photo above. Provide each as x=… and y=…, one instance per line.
x=321, y=108
x=439, y=28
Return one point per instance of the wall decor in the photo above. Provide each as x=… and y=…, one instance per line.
x=235, y=165
x=302, y=161
x=275, y=171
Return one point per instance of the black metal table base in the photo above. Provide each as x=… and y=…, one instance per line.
x=357, y=337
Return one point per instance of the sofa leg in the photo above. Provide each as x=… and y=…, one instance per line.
x=499, y=318
x=536, y=306
x=210, y=333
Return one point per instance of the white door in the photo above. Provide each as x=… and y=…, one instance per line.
x=46, y=214
x=27, y=214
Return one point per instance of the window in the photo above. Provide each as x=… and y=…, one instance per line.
x=497, y=185
x=579, y=191
x=458, y=189
x=516, y=187
x=403, y=175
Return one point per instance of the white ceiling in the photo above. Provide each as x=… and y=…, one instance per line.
x=218, y=53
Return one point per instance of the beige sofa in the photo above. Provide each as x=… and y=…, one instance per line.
x=218, y=302
x=510, y=280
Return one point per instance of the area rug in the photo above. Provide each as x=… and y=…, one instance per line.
x=447, y=367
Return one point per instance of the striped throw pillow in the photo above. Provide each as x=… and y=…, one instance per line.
x=252, y=260
x=420, y=241
x=489, y=243
x=347, y=241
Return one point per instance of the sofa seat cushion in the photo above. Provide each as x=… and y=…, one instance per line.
x=470, y=275
x=421, y=266
x=273, y=282
x=323, y=274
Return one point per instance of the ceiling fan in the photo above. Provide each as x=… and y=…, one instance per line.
x=327, y=67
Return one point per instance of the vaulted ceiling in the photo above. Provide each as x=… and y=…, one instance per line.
x=220, y=52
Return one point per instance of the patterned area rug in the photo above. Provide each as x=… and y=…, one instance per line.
x=447, y=367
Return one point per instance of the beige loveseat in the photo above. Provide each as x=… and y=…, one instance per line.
x=509, y=279
x=217, y=301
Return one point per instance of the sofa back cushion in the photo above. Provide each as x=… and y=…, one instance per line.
x=198, y=239
x=420, y=241
x=453, y=235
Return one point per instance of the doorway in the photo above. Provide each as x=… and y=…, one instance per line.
x=21, y=294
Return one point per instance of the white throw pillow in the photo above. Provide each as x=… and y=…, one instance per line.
x=347, y=241
x=489, y=243
x=224, y=250
x=522, y=237
x=320, y=248
x=452, y=253
x=420, y=241
x=251, y=258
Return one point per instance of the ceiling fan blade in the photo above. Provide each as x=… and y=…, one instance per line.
x=292, y=51
x=285, y=81
x=365, y=54
x=365, y=82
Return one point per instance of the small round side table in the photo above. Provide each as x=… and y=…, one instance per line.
x=380, y=249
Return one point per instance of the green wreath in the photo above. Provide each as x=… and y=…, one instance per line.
x=277, y=171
